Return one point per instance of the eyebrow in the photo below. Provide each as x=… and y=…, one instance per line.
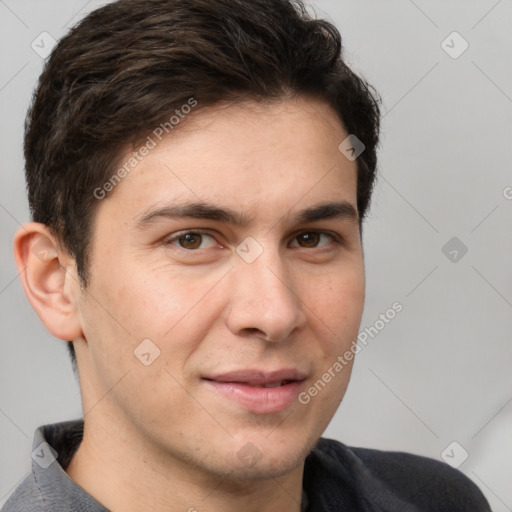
x=202, y=210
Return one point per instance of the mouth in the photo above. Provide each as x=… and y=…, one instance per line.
x=270, y=384
x=258, y=391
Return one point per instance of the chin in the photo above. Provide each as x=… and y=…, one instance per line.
x=269, y=458
x=266, y=469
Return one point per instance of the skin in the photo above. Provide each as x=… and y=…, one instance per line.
x=157, y=437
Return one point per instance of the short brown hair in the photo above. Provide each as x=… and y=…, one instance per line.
x=129, y=65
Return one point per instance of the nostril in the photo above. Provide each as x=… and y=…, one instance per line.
x=253, y=330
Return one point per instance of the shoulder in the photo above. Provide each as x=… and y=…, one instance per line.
x=27, y=496
x=425, y=483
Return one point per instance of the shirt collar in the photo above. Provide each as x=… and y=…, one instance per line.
x=52, y=450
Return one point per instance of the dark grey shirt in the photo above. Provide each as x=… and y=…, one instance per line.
x=336, y=479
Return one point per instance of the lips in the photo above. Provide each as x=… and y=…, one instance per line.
x=258, y=391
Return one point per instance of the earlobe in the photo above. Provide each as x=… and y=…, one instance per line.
x=48, y=279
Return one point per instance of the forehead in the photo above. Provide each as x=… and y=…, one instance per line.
x=250, y=156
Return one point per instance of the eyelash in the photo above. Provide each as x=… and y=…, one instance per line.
x=335, y=239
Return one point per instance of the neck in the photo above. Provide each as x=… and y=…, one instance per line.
x=124, y=474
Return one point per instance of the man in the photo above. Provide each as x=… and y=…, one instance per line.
x=198, y=173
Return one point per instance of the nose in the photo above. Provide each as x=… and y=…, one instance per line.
x=263, y=301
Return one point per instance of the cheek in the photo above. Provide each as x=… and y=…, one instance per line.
x=337, y=298
x=173, y=309
x=338, y=306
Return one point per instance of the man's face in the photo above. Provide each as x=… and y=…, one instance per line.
x=243, y=314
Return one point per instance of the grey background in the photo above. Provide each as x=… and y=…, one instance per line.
x=440, y=371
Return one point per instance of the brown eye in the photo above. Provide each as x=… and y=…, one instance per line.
x=308, y=239
x=192, y=240
x=313, y=239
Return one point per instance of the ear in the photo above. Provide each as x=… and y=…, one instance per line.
x=49, y=279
